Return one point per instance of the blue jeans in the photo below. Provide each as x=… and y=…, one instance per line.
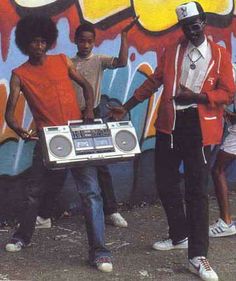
x=43, y=183
x=90, y=193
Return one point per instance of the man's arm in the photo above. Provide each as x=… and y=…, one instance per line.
x=223, y=94
x=146, y=90
x=185, y=96
x=87, y=89
x=15, y=88
x=121, y=61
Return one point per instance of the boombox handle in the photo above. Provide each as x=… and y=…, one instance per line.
x=74, y=122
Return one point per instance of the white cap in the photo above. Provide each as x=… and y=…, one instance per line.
x=187, y=10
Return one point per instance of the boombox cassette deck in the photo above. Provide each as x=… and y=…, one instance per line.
x=98, y=143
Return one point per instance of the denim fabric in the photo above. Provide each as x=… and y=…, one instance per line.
x=105, y=183
x=107, y=191
x=43, y=182
x=87, y=185
x=104, y=176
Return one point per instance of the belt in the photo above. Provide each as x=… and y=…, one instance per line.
x=187, y=110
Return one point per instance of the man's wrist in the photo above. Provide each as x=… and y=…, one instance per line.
x=88, y=108
x=132, y=102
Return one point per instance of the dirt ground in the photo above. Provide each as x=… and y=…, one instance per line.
x=60, y=253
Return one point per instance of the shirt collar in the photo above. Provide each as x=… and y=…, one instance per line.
x=81, y=59
x=202, y=48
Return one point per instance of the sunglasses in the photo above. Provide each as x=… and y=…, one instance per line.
x=193, y=27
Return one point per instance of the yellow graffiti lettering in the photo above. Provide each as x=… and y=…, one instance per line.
x=159, y=15
x=97, y=10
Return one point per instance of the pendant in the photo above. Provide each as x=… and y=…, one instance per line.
x=192, y=66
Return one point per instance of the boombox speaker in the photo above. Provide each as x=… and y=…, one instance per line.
x=79, y=144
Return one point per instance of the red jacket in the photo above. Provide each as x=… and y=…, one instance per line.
x=218, y=86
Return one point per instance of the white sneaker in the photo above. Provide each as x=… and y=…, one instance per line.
x=43, y=223
x=201, y=267
x=166, y=245
x=104, y=264
x=116, y=219
x=15, y=245
x=221, y=229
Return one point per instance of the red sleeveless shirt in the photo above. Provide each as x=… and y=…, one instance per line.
x=49, y=91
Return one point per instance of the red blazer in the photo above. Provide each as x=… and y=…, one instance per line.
x=218, y=85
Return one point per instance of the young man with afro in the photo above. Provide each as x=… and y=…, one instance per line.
x=45, y=81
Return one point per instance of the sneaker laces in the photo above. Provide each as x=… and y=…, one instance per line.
x=218, y=227
x=204, y=262
x=167, y=240
x=103, y=260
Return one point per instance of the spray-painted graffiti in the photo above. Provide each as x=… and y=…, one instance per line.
x=155, y=29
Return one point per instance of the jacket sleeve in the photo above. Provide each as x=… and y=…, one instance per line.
x=225, y=87
x=152, y=83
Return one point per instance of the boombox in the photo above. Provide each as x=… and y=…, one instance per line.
x=78, y=144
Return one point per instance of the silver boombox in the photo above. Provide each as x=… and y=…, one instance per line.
x=77, y=144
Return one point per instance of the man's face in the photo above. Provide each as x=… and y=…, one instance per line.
x=194, y=31
x=37, y=47
x=85, y=43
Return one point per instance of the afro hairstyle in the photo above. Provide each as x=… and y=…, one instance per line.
x=84, y=27
x=31, y=27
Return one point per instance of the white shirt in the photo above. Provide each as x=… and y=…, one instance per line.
x=193, y=79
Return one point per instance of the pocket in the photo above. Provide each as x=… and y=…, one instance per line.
x=209, y=118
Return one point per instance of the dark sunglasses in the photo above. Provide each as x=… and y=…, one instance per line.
x=193, y=27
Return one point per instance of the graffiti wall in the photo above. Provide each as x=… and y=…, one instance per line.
x=156, y=27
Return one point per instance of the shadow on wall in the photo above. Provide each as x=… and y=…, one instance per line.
x=12, y=195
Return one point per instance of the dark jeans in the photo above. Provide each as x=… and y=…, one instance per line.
x=44, y=185
x=185, y=144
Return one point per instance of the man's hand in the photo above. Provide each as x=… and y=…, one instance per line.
x=116, y=112
x=130, y=25
x=88, y=115
x=185, y=96
x=26, y=135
